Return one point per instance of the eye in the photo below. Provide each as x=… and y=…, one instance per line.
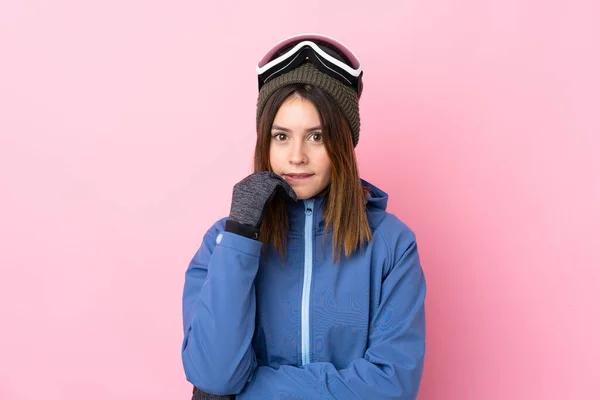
x=279, y=136
x=317, y=137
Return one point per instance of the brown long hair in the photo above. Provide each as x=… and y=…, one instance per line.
x=345, y=208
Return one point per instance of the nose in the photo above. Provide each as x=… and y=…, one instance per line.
x=298, y=155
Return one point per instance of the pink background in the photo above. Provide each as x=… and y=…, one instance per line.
x=125, y=124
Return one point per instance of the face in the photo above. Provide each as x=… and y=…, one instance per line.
x=297, y=151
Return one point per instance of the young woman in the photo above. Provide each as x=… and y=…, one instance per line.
x=309, y=289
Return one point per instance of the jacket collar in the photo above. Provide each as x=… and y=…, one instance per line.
x=376, y=202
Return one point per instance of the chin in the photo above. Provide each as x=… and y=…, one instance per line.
x=303, y=194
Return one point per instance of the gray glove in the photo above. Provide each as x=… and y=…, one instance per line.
x=252, y=194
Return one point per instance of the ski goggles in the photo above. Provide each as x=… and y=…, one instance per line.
x=325, y=53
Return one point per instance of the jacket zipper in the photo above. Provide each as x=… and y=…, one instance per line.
x=305, y=326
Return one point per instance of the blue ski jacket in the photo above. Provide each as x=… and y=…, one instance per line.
x=307, y=328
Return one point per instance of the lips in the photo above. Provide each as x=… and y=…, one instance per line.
x=297, y=178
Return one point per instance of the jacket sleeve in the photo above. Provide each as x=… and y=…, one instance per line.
x=393, y=363
x=219, y=312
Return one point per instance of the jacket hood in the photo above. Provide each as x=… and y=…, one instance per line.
x=377, y=198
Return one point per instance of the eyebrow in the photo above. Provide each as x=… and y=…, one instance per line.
x=281, y=128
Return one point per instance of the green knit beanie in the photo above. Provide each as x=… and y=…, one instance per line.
x=345, y=96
